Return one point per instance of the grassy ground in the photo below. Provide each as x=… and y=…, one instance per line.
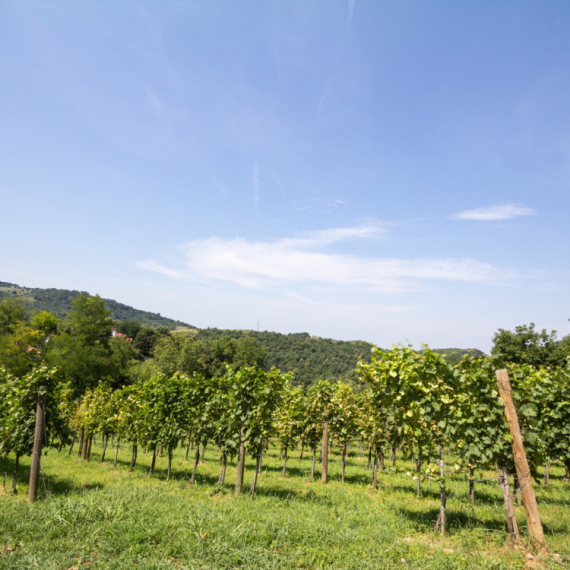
x=101, y=517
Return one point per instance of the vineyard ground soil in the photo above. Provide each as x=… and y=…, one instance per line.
x=98, y=517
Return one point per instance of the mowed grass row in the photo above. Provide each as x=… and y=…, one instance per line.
x=98, y=516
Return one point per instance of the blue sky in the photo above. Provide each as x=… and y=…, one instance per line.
x=385, y=171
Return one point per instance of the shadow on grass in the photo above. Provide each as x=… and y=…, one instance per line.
x=467, y=519
x=49, y=481
x=455, y=519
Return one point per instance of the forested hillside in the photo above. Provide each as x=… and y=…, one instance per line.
x=454, y=355
x=311, y=357
x=58, y=302
x=308, y=357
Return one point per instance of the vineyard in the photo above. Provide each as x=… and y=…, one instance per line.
x=422, y=431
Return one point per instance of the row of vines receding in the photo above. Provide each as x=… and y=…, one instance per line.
x=414, y=403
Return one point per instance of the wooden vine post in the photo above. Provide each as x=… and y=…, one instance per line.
x=521, y=463
x=325, y=454
x=37, y=450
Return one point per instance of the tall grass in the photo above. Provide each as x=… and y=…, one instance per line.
x=100, y=517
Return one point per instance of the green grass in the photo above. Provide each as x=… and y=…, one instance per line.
x=100, y=517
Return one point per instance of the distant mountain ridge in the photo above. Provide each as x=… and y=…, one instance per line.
x=58, y=302
x=308, y=357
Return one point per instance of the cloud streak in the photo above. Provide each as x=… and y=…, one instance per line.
x=255, y=184
x=305, y=261
x=492, y=213
x=350, y=9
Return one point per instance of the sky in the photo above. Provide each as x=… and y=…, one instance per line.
x=395, y=172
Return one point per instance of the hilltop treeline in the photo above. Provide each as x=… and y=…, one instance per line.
x=88, y=347
x=308, y=357
x=59, y=302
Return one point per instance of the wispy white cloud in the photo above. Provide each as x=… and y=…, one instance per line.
x=304, y=260
x=333, y=235
x=278, y=181
x=498, y=212
x=350, y=9
x=255, y=183
x=322, y=99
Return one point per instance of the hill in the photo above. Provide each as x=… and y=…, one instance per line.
x=308, y=357
x=454, y=355
x=58, y=302
x=311, y=358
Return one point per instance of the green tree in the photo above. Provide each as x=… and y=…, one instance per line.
x=21, y=345
x=253, y=393
x=129, y=328
x=145, y=341
x=289, y=420
x=18, y=397
x=480, y=431
x=164, y=415
x=319, y=397
x=45, y=322
x=343, y=414
x=555, y=417
x=85, y=351
x=128, y=402
x=375, y=431
x=12, y=312
x=183, y=353
x=416, y=391
x=525, y=345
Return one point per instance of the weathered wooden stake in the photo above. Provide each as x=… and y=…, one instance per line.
x=517, y=490
x=15, y=475
x=105, y=440
x=134, y=454
x=152, y=462
x=196, y=460
x=257, y=471
x=521, y=463
x=240, y=468
x=325, y=448
x=314, y=461
x=509, y=506
x=443, y=495
x=344, y=452
x=169, y=469
x=419, y=476
x=84, y=446
x=471, y=484
x=81, y=438
x=37, y=450
x=223, y=472
x=116, y=452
